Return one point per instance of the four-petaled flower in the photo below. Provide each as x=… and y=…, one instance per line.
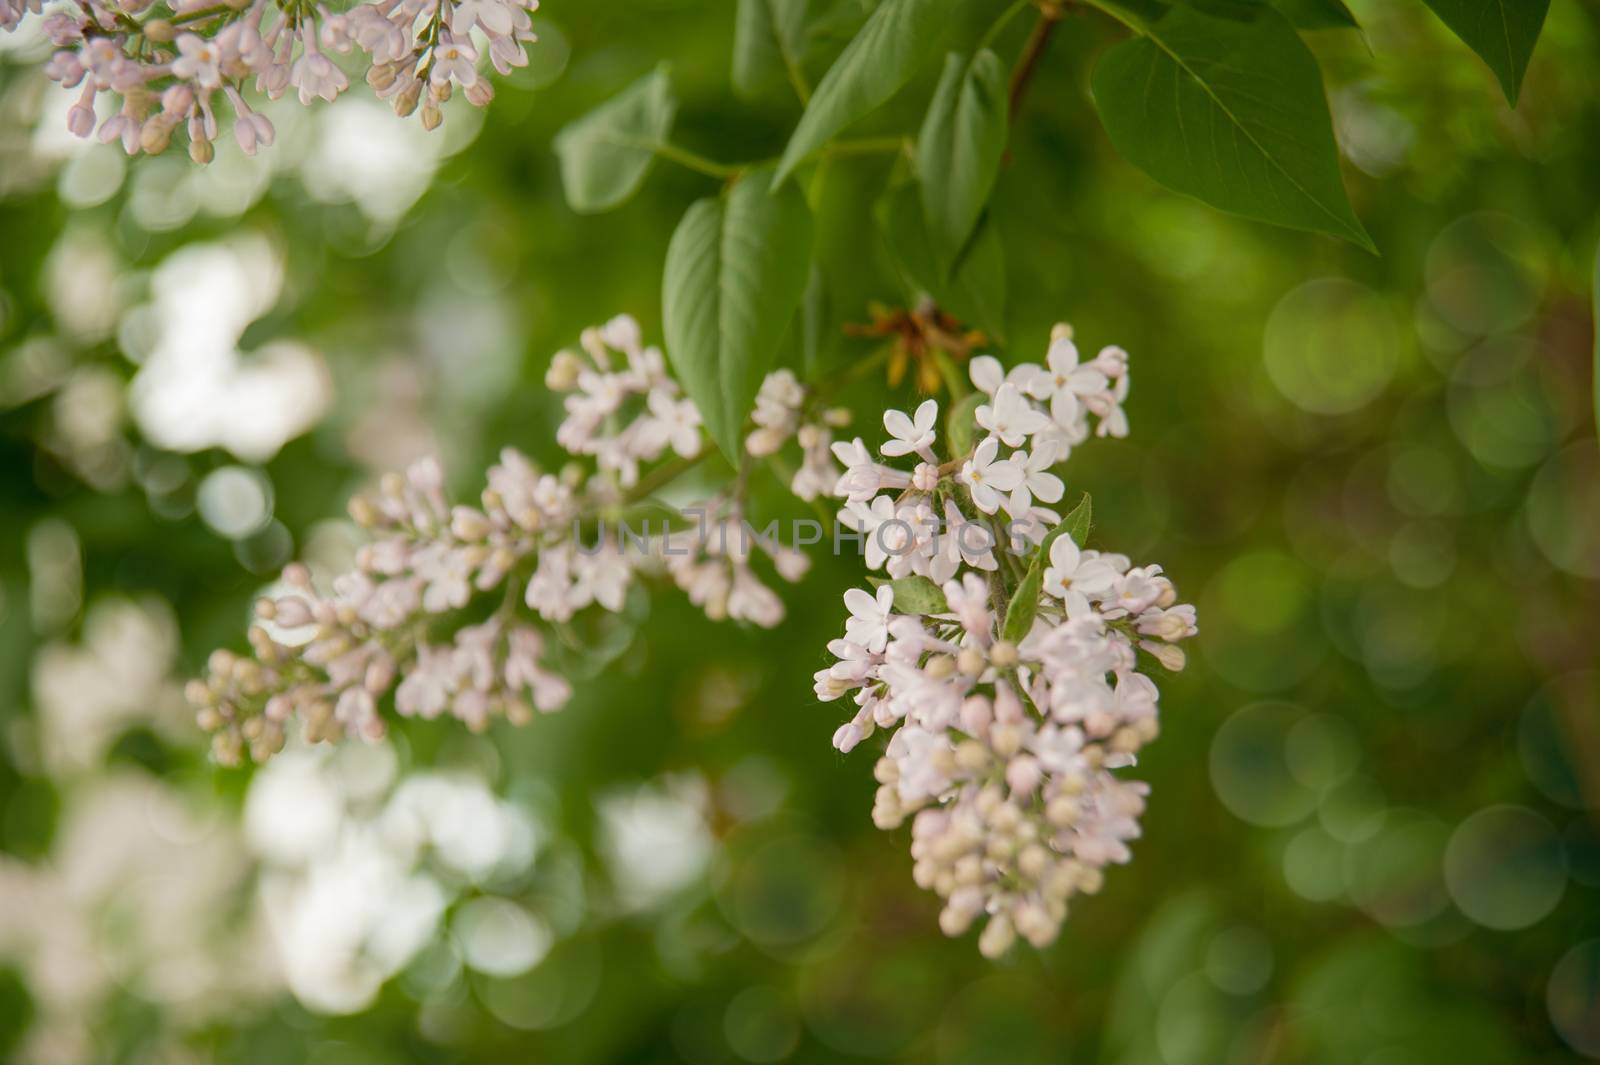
x=913, y=434
x=989, y=477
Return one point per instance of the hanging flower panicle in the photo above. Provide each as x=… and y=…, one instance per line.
x=176, y=64
x=416, y=620
x=1011, y=685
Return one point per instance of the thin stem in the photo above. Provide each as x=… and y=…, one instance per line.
x=665, y=474
x=1032, y=52
x=998, y=26
x=698, y=163
x=797, y=77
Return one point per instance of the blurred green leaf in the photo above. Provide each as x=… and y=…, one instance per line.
x=1595, y=324
x=914, y=595
x=976, y=290
x=606, y=154
x=768, y=39
x=961, y=424
x=877, y=61
x=1226, y=105
x=1024, y=606
x=1318, y=14
x=1077, y=525
x=959, y=148
x=1502, y=32
x=736, y=271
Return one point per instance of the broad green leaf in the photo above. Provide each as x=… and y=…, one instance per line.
x=959, y=148
x=961, y=425
x=1502, y=32
x=1597, y=343
x=976, y=290
x=873, y=66
x=1076, y=525
x=1024, y=606
x=1318, y=14
x=1025, y=600
x=606, y=153
x=769, y=37
x=1226, y=105
x=914, y=595
x=735, y=273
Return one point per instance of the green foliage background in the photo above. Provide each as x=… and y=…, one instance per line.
x=1382, y=491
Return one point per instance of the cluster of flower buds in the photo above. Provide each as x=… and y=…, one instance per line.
x=781, y=413
x=711, y=563
x=1007, y=729
x=622, y=407
x=399, y=622
x=412, y=620
x=167, y=61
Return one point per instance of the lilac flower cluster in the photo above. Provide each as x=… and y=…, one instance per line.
x=1005, y=736
x=409, y=621
x=167, y=61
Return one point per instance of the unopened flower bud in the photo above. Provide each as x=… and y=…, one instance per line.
x=563, y=372
x=997, y=937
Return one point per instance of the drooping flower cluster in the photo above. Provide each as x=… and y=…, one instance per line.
x=411, y=621
x=780, y=413
x=1009, y=712
x=166, y=62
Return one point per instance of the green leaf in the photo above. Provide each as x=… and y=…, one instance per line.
x=1076, y=525
x=1025, y=600
x=961, y=425
x=1318, y=14
x=877, y=61
x=1502, y=32
x=1597, y=343
x=976, y=290
x=736, y=271
x=914, y=595
x=1024, y=606
x=769, y=37
x=959, y=148
x=1227, y=106
x=606, y=153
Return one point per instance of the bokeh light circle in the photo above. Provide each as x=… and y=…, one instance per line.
x=1262, y=631
x=235, y=501
x=761, y=1026
x=1564, y=510
x=1331, y=346
x=1250, y=767
x=1396, y=875
x=1573, y=998
x=1505, y=867
x=1485, y=273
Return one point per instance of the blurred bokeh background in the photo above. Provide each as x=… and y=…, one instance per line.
x=1373, y=831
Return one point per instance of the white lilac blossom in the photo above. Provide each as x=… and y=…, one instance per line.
x=449, y=608
x=1006, y=753
x=165, y=63
x=1032, y=404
